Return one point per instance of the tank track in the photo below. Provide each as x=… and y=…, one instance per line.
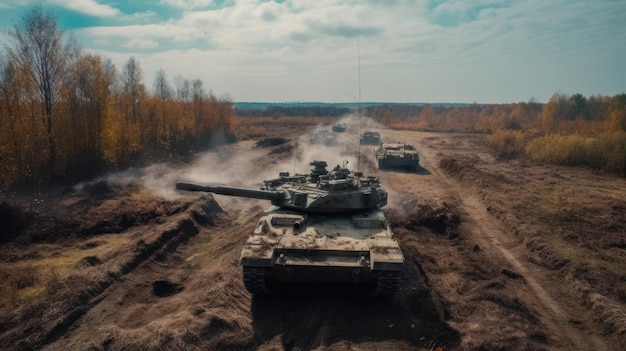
x=255, y=281
x=387, y=284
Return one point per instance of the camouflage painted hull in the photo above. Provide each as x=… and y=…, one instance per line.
x=356, y=249
x=397, y=156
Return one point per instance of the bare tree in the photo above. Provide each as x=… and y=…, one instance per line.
x=183, y=89
x=132, y=79
x=39, y=48
x=162, y=88
x=199, y=112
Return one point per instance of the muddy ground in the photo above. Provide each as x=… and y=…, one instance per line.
x=500, y=255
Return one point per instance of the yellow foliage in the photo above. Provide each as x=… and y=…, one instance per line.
x=111, y=131
x=507, y=141
x=616, y=121
x=607, y=151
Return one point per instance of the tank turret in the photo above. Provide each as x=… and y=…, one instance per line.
x=325, y=226
x=321, y=191
x=369, y=137
x=340, y=127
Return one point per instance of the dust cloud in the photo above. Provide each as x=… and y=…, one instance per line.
x=240, y=164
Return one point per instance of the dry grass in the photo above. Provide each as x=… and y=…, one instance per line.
x=261, y=127
x=606, y=151
x=25, y=283
x=609, y=312
x=31, y=280
x=612, y=314
x=507, y=142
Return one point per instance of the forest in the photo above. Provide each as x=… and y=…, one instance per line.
x=67, y=115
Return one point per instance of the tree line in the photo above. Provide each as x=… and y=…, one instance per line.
x=568, y=129
x=68, y=114
x=560, y=114
x=294, y=111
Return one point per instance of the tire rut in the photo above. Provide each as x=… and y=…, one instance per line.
x=171, y=236
x=489, y=234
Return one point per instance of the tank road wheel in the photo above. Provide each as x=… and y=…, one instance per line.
x=255, y=281
x=387, y=284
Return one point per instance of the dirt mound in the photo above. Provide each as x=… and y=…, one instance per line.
x=282, y=149
x=117, y=215
x=66, y=299
x=450, y=165
x=102, y=189
x=442, y=220
x=267, y=142
x=90, y=210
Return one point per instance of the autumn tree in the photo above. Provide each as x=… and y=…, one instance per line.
x=133, y=88
x=616, y=119
x=578, y=107
x=555, y=111
x=89, y=97
x=165, y=116
x=16, y=135
x=130, y=98
x=162, y=88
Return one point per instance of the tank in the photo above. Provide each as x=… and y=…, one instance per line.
x=397, y=156
x=322, y=227
x=339, y=127
x=323, y=137
x=369, y=137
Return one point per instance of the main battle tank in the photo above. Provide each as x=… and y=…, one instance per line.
x=397, y=155
x=369, y=137
x=325, y=226
x=340, y=127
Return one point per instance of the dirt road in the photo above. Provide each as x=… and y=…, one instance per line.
x=499, y=255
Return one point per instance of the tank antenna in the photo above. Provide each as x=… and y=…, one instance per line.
x=358, y=54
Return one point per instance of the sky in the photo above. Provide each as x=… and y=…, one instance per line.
x=433, y=51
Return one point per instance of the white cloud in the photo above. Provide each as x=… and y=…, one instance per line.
x=189, y=4
x=307, y=49
x=148, y=31
x=89, y=7
x=140, y=16
x=11, y=4
x=141, y=44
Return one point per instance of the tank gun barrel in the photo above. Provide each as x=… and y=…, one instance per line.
x=274, y=196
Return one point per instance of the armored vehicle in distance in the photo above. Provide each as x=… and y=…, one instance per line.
x=340, y=127
x=323, y=137
x=397, y=155
x=369, y=137
x=323, y=227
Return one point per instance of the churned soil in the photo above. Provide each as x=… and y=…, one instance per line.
x=500, y=255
